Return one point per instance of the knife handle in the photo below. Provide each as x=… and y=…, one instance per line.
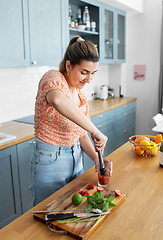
x=52, y=217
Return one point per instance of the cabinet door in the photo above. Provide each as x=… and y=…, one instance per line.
x=45, y=32
x=113, y=35
x=120, y=39
x=14, y=44
x=10, y=207
x=24, y=150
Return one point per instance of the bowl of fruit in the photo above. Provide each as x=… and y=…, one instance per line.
x=146, y=145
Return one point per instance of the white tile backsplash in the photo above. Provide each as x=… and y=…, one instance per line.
x=18, y=89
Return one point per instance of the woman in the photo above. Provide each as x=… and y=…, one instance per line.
x=62, y=122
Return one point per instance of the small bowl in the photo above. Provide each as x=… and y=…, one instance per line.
x=81, y=27
x=144, y=150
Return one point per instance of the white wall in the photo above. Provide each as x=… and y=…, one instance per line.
x=143, y=47
x=18, y=88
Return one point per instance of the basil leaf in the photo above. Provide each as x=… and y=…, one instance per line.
x=100, y=200
x=110, y=199
x=111, y=203
x=89, y=206
x=105, y=206
x=92, y=202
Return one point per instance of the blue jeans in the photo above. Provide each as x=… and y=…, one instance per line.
x=52, y=167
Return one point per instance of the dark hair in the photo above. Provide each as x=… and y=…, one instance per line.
x=77, y=51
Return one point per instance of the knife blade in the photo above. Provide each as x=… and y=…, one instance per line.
x=66, y=210
x=57, y=216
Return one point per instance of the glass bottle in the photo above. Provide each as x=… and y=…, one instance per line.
x=72, y=22
x=79, y=17
x=86, y=19
x=69, y=16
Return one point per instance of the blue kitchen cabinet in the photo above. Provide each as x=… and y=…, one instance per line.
x=45, y=24
x=113, y=25
x=94, y=12
x=10, y=199
x=32, y=33
x=24, y=150
x=124, y=123
x=14, y=43
x=15, y=197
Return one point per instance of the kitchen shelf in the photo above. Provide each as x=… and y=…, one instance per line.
x=83, y=32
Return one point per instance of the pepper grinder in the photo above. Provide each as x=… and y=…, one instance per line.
x=102, y=164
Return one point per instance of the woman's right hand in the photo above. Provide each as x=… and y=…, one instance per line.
x=99, y=140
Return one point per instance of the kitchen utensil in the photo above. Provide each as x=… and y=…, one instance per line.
x=57, y=216
x=102, y=165
x=103, y=92
x=67, y=210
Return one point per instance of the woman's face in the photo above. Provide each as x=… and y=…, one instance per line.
x=81, y=74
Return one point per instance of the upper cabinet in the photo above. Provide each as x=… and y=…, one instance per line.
x=94, y=13
x=37, y=32
x=45, y=32
x=113, y=24
x=14, y=42
x=31, y=32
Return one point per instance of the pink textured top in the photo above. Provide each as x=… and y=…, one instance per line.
x=50, y=126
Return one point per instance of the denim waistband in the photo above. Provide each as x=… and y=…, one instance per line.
x=40, y=145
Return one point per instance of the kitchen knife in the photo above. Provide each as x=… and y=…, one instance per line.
x=102, y=164
x=66, y=210
x=57, y=216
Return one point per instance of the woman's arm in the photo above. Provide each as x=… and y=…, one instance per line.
x=70, y=110
x=87, y=147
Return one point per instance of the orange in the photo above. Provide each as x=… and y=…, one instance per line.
x=77, y=199
x=158, y=138
x=141, y=138
x=138, y=150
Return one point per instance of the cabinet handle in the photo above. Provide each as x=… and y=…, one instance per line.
x=34, y=62
x=126, y=105
x=32, y=142
x=126, y=114
x=126, y=130
x=100, y=116
x=100, y=126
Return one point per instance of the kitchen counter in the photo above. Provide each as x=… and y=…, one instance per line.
x=24, y=131
x=139, y=216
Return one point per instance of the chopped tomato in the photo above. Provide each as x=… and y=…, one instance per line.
x=118, y=192
x=80, y=191
x=90, y=186
x=99, y=189
x=85, y=193
x=103, y=179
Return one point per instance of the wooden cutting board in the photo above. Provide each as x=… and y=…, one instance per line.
x=80, y=230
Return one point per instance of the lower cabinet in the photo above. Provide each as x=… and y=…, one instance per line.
x=10, y=207
x=118, y=125
x=15, y=197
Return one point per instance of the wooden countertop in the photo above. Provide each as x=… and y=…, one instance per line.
x=99, y=106
x=25, y=132
x=137, y=217
x=22, y=131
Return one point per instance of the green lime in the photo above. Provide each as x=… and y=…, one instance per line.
x=77, y=199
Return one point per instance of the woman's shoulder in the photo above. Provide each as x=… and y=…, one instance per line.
x=53, y=73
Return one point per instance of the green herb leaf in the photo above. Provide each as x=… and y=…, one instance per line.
x=111, y=203
x=92, y=202
x=89, y=206
x=110, y=199
x=105, y=206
